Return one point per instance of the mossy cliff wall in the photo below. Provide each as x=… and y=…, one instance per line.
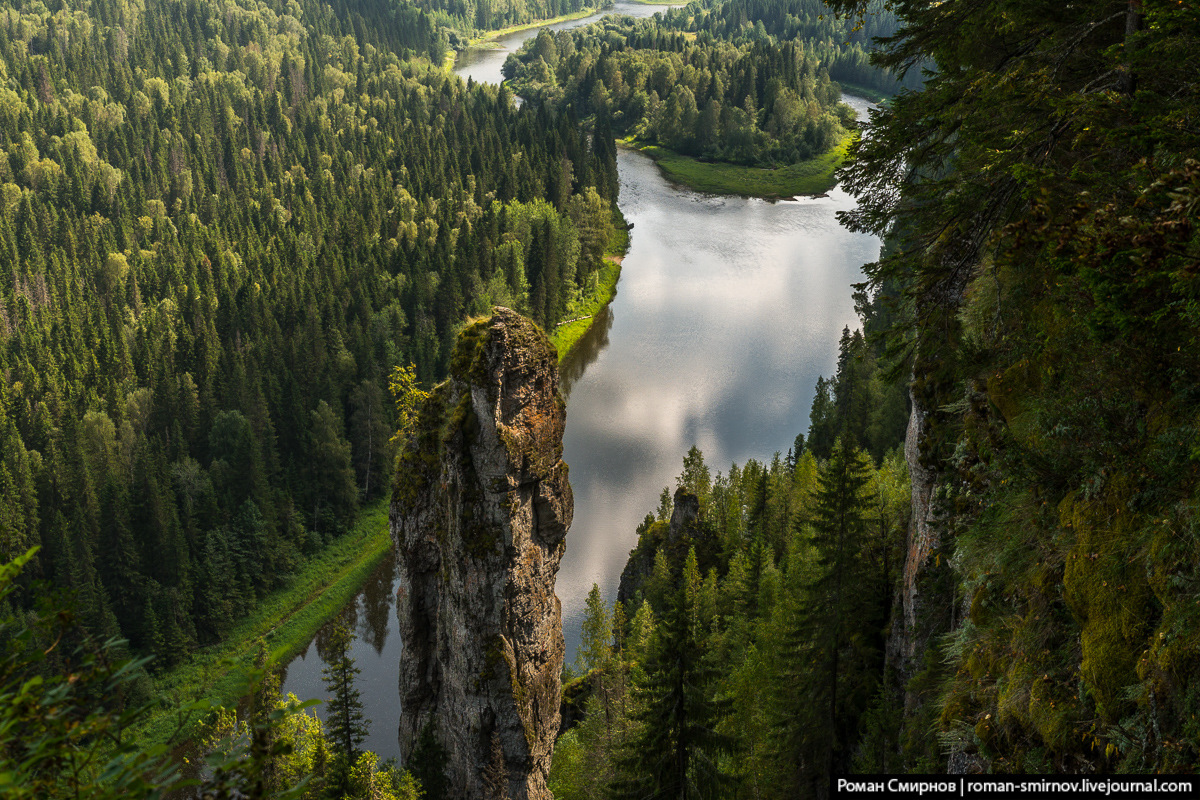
x=480, y=511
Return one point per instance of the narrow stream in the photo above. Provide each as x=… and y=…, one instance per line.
x=727, y=311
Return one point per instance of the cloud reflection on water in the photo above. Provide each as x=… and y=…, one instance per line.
x=728, y=311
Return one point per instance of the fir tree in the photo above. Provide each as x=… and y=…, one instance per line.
x=827, y=663
x=595, y=647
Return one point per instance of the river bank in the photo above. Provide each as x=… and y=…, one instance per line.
x=488, y=40
x=286, y=620
x=728, y=309
x=812, y=177
x=584, y=315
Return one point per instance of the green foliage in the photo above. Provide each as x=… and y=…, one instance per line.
x=69, y=706
x=675, y=749
x=583, y=312
x=222, y=226
x=501, y=16
x=751, y=674
x=831, y=658
x=287, y=619
x=408, y=398
x=595, y=648
x=758, y=103
x=1040, y=197
x=859, y=401
x=811, y=177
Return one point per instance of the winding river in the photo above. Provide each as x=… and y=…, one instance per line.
x=727, y=311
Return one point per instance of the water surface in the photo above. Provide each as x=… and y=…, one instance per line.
x=376, y=651
x=483, y=64
x=727, y=311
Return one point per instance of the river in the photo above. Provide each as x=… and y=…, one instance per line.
x=727, y=312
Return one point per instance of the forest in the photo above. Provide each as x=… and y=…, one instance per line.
x=699, y=98
x=1035, y=302
x=1040, y=196
x=223, y=228
x=746, y=83
x=841, y=43
x=225, y=224
x=463, y=18
x=745, y=655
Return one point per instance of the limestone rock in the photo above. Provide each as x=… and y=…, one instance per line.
x=480, y=511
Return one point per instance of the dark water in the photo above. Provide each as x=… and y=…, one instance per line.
x=376, y=650
x=727, y=311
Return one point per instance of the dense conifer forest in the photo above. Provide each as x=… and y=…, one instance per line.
x=225, y=223
x=699, y=98
x=842, y=43
x=1041, y=191
x=745, y=655
x=747, y=83
x=223, y=226
x=1038, y=201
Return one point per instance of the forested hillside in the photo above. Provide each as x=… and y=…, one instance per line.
x=749, y=640
x=746, y=655
x=842, y=43
x=752, y=83
x=1036, y=297
x=223, y=224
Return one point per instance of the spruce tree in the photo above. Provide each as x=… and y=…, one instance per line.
x=676, y=750
x=595, y=647
x=827, y=670
x=345, y=724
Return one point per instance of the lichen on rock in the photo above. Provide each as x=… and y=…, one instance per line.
x=480, y=511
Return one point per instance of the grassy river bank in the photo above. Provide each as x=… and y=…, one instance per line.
x=814, y=176
x=286, y=620
x=489, y=39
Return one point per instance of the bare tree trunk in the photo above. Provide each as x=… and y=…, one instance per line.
x=1133, y=24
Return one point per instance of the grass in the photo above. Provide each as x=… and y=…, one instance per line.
x=286, y=619
x=565, y=336
x=490, y=36
x=814, y=176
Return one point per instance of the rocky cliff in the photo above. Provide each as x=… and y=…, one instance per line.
x=677, y=537
x=480, y=511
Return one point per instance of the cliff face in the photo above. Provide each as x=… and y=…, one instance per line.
x=479, y=515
